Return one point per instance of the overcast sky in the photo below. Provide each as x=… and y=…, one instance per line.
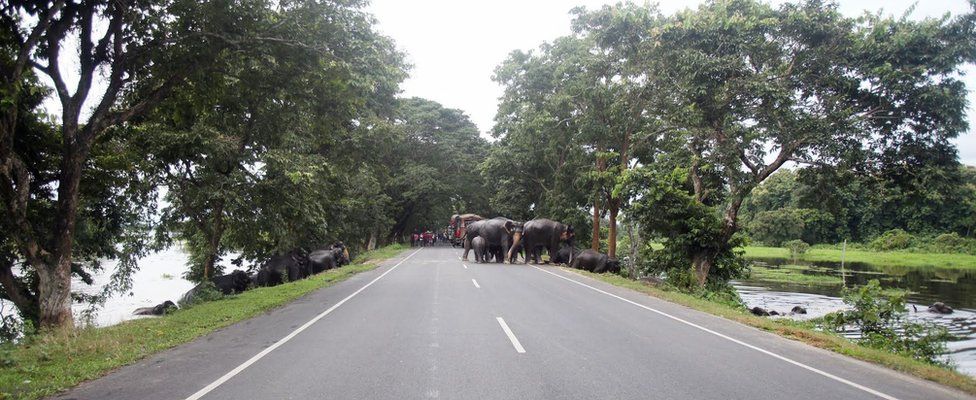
x=454, y=46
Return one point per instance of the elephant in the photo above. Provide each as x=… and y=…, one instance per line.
x=332, y=257
x=480, y=247
x=293, y=265
x=159, y=309
x=542, y=233
x=940, y=308
x=496, y=252
x=565, y=254
x=514, y=252
x=496, y=231
x=234, y=282
x=595, y=261
x=798, y=310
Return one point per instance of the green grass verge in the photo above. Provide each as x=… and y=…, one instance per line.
x=793, y=274
x=52, y=362
x=894, y=258
x=801, y=331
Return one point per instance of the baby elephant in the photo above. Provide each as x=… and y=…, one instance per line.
x=480, y=248
x=594, y=261
x=565, y=254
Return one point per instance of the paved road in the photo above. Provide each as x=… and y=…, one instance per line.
x=428, y=326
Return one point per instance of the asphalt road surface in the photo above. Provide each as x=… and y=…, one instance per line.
x=427, y=326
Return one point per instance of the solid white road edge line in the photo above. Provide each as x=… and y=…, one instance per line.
x=475, y=283
x=291, y=335
x=737, y=341
x=511, y=336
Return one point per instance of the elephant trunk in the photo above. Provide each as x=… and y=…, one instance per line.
x=516, y=239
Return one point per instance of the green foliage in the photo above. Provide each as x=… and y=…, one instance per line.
x=277, y=149
x=797, y=248
x=828, y=205
x=432, y=171
x=952, y=243
x=895, y=239
x=666, y=208
x=879, y=316
x=113, y=209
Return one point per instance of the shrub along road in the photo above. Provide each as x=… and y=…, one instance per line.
x=427, y=325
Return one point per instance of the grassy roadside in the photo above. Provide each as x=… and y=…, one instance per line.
x=893, y=258
x=801, y=331
x=55, y=361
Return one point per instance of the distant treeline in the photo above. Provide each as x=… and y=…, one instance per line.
x=930, y=208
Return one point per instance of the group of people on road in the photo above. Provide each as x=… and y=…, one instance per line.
x=423, y=239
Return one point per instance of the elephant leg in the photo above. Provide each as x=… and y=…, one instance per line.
x=467, y=248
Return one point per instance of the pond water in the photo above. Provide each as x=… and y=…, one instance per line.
x=954, y=287
x=160, y=278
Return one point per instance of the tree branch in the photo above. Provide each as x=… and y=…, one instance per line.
x=15, y=290
x=23, y=55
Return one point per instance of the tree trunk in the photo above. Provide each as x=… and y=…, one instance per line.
x=371, y=245
x=701, y=263
x=612, y=237
x=54, y=279
x=595, y=240
x=25, y=301
x=213, y=242
x=633, y=237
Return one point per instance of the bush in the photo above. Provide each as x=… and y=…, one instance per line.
x=952, y=243
x=895, y=239
x=797, y=248
x=879, y=316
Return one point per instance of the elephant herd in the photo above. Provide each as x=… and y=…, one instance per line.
x=503, y=240
x=291, y=266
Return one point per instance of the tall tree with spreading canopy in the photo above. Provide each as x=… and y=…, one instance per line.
x=156, y=44
x=751, y=87
x=259, y=154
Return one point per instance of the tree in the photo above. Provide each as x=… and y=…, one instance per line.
x=579, y=94
x=751, y=87
x=154, y=44
x=257, y=153
x=613, y=99
x=535, y=168
x=433, y=168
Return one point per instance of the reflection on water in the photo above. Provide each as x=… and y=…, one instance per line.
x=955, y=287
